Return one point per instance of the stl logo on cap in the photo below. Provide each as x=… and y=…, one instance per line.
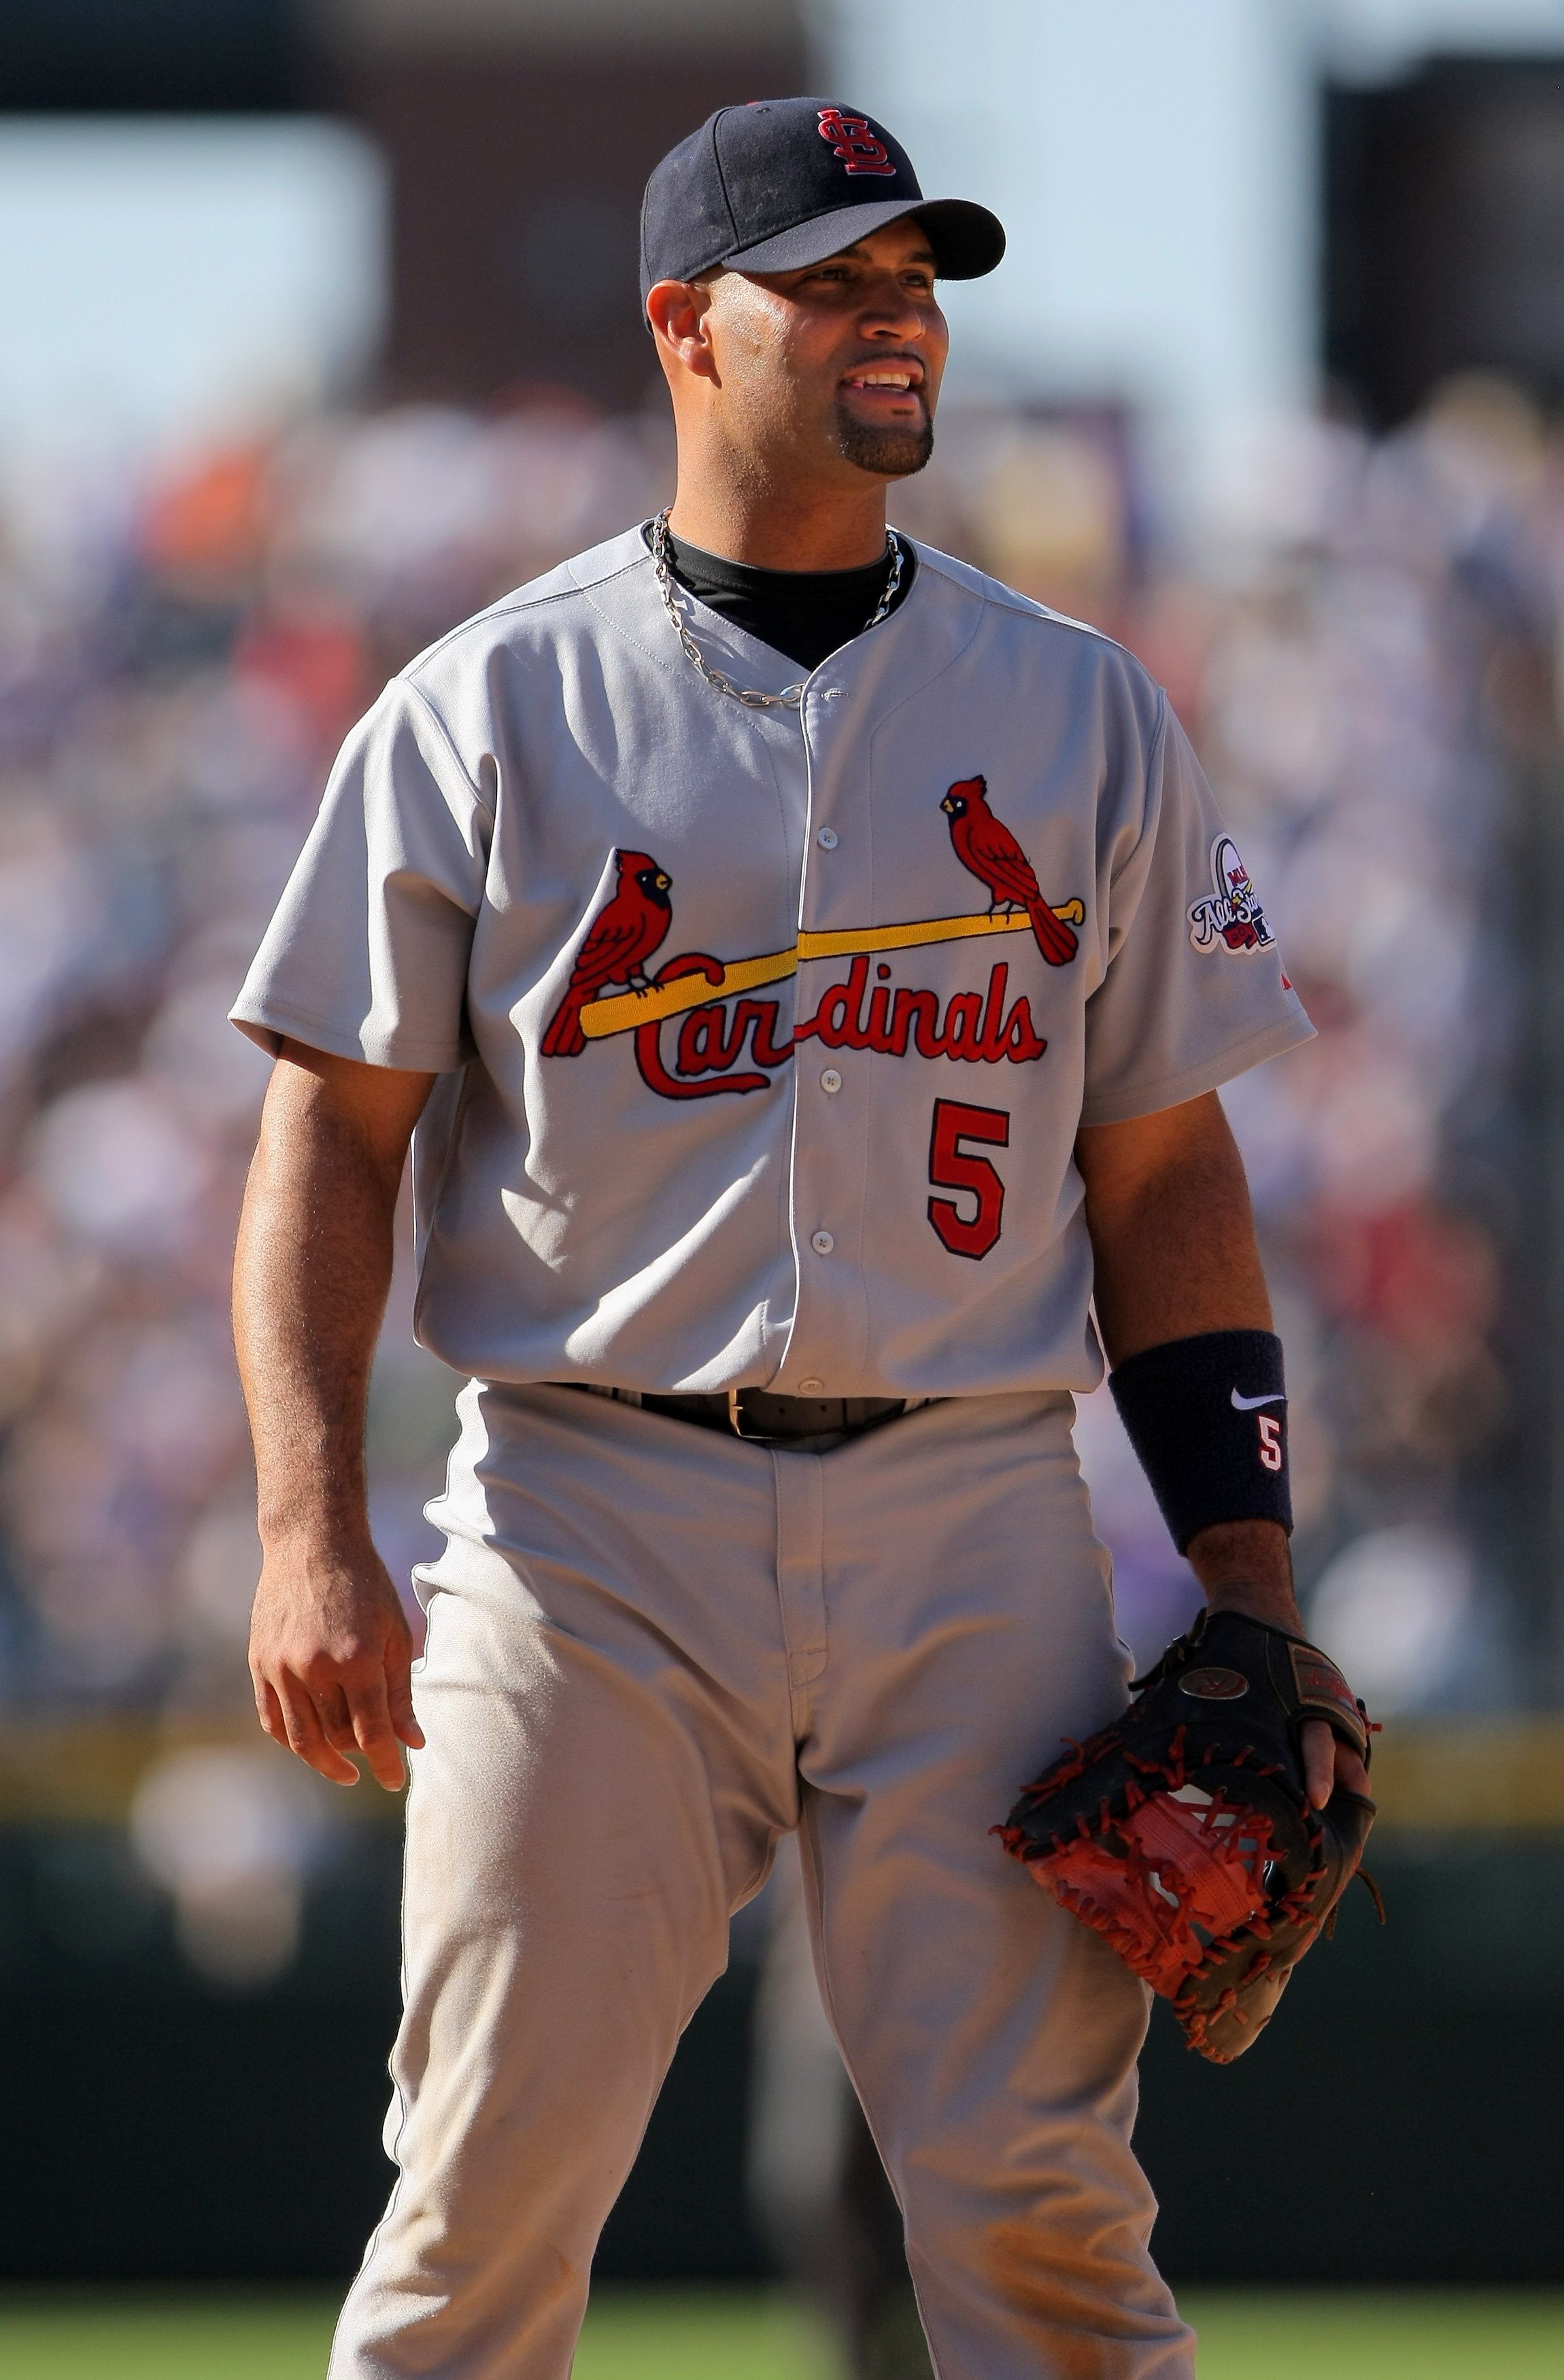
x=860, y=151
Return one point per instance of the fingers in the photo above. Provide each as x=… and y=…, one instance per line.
x=1320, y=1761
x=399, y=1697
x=372, y=1726
x=323, y=1721
x=330, y=1657
x=317, y=1726
x=336, y=1719
x=1328, y=1762
x=269, y=1710
x=307, y=1736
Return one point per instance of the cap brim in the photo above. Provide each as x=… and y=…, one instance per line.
x=966, y=239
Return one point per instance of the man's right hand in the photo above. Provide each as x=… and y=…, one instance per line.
x=331, y=1654
x=330, y=1649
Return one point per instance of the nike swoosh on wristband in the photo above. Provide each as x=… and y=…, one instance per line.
x=1247, y=1404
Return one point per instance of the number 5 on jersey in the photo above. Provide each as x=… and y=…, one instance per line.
x=952, y=1168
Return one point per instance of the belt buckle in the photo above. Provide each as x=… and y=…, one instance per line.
x=735, y=1413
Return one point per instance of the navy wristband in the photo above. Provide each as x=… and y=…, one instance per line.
x=1207, y=1417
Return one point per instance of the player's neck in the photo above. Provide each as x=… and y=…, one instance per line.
x=773, y=530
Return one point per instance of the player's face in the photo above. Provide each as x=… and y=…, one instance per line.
x=840, y=363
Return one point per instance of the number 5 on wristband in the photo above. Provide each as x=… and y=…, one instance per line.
x=1208, y=1417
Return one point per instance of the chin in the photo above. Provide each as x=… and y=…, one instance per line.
x=889, y=453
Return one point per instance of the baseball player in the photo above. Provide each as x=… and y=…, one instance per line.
x=797, y=962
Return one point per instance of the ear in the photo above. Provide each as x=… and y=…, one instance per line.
x=677, y=311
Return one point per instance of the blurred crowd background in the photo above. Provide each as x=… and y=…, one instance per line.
x=1370, y=679
x=321, y=333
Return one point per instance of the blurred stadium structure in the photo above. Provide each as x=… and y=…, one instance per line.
x=1366, y=638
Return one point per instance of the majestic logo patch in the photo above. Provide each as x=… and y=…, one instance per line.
x=1214, y=1685
x=1231, y=918
x=860, y=149
x=719, y=1023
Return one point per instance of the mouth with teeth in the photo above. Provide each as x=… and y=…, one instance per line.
x=887, y=384
x=884, y=419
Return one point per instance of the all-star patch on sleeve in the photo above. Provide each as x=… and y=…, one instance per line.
x=367, y=955
x=1195, y=992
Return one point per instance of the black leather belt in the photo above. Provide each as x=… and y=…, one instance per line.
x=814, y=1425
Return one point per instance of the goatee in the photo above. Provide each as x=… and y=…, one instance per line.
x=889, y=454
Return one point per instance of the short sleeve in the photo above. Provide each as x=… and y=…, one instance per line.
x=1193, y=991
x=367, y=955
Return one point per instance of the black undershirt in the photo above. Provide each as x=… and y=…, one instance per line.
x=808, y=615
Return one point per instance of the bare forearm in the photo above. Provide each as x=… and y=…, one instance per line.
x=1247, y=1566
x=312, y=1276
x=330, y=1649
x=1172, y=1230
x=1173, y=1242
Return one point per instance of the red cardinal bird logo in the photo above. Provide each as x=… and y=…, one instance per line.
x=620, y=940
x=986, y=847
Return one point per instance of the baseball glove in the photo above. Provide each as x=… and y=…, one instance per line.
x=1184, y=1835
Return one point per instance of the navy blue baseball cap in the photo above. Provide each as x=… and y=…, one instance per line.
x=787, y=182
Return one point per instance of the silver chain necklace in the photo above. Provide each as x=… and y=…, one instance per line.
x=792, y=697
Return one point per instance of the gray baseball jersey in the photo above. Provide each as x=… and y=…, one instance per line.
x=764, y=1036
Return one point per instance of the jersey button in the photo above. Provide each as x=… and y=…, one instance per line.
x=811, y=1386
x=830, y=1080
x=827, y=838
x=822, y=1243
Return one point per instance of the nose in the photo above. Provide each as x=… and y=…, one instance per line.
x=891, y=312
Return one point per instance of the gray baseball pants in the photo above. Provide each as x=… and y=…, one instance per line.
x=652, y=1650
